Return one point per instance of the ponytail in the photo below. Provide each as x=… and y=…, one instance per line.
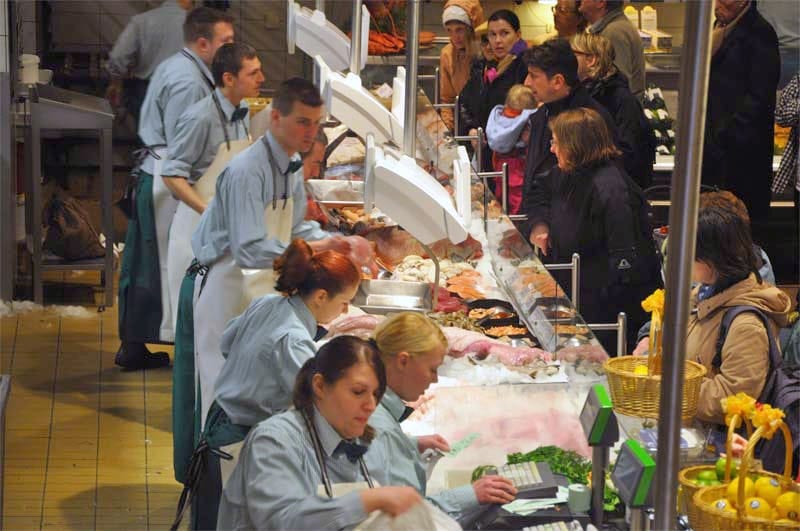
x=301, y=271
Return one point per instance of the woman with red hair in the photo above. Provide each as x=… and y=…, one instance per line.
x=264, y=349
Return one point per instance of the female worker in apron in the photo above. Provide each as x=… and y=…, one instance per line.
x=412, y=348
x=304, y=469
x=265, y=348
x=259, y=207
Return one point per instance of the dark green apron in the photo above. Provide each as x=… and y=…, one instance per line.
x=140, y=278
x=203, y=480
x=185, y=420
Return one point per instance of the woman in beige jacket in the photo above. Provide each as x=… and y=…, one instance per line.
x=727, y=270
x=460, y=18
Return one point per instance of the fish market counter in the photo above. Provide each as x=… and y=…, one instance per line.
x=520, y=361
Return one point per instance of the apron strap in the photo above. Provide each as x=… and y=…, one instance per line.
x=275, y=171
x=312, y=430
x=194, y=475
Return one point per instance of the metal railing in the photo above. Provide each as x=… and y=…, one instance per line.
x=621, y=327
x=575, y=272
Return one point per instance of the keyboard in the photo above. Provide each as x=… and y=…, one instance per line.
x=555, y=526
x=532, y=480
x=521, y=474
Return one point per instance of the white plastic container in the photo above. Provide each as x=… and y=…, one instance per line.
x=30, y=69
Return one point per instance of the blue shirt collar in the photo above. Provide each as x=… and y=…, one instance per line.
x=227, y=106
x=203, y=66
x=281, y=158
x=393, y=404
x=329, y=438
x=304, y=314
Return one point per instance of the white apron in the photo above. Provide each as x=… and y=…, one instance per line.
x=164, y=206
x=180, y=255
x=228, y=291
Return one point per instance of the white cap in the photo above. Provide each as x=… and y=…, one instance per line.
x=455, y=14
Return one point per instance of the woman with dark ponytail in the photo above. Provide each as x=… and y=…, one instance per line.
x=292, y=464
x=264, y=349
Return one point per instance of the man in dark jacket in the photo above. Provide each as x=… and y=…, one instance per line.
x=745, y=67
x=553, y=78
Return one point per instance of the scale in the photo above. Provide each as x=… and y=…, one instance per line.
x=600, y=426
x=633, y=476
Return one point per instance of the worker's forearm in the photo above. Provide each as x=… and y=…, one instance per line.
x=184, y=191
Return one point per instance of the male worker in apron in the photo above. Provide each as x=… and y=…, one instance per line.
x=144, y=307
x=208, y=135
x=259, y=207
x=147, y=40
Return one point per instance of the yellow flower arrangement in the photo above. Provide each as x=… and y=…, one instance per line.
x=655, y=305
x=741, y=405
x=655, y=302
x=768, y=417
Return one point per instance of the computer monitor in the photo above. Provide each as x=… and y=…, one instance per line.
x=633, y=474
x=597, y=418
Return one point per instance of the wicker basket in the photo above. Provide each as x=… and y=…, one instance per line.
x=712, y=519
x=687, y=489
x=638, y=395
x=686, y=477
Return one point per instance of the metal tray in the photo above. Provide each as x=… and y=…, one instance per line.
x=335, y=193
x=386, y=296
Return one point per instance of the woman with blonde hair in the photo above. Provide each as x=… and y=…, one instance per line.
x=609, y=87
x=412, y=348
x=590, y=206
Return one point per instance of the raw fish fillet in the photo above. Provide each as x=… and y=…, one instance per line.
x=393, y=244
x=353, y=325
x=462, y=341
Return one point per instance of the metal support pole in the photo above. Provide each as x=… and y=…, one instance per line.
x=412, y=59
x=622, y=334
x=107, y=176
x=599, y=465
x=355, y=39
x=683, y=228
x=436, y=85
x=504, y=194
x=576, y=281
x=456, y=112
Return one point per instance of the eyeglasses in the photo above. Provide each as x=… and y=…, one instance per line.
x=563, y=10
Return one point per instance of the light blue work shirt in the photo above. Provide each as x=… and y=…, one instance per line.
x=275, y=482
x=234, y=220
x=147, y=40
x=264, y=349
x=176, y=85
x=393, y=459
x=199, y=134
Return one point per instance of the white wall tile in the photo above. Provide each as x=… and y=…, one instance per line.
x=3, y=17
x=29, y=37
x=26, y=10
x=76, y=29
x=3, y=53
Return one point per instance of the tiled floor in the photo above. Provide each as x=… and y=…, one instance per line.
x=87, y=446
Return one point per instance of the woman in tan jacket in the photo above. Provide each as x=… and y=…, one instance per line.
x=460, y=18
x=727, y=270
